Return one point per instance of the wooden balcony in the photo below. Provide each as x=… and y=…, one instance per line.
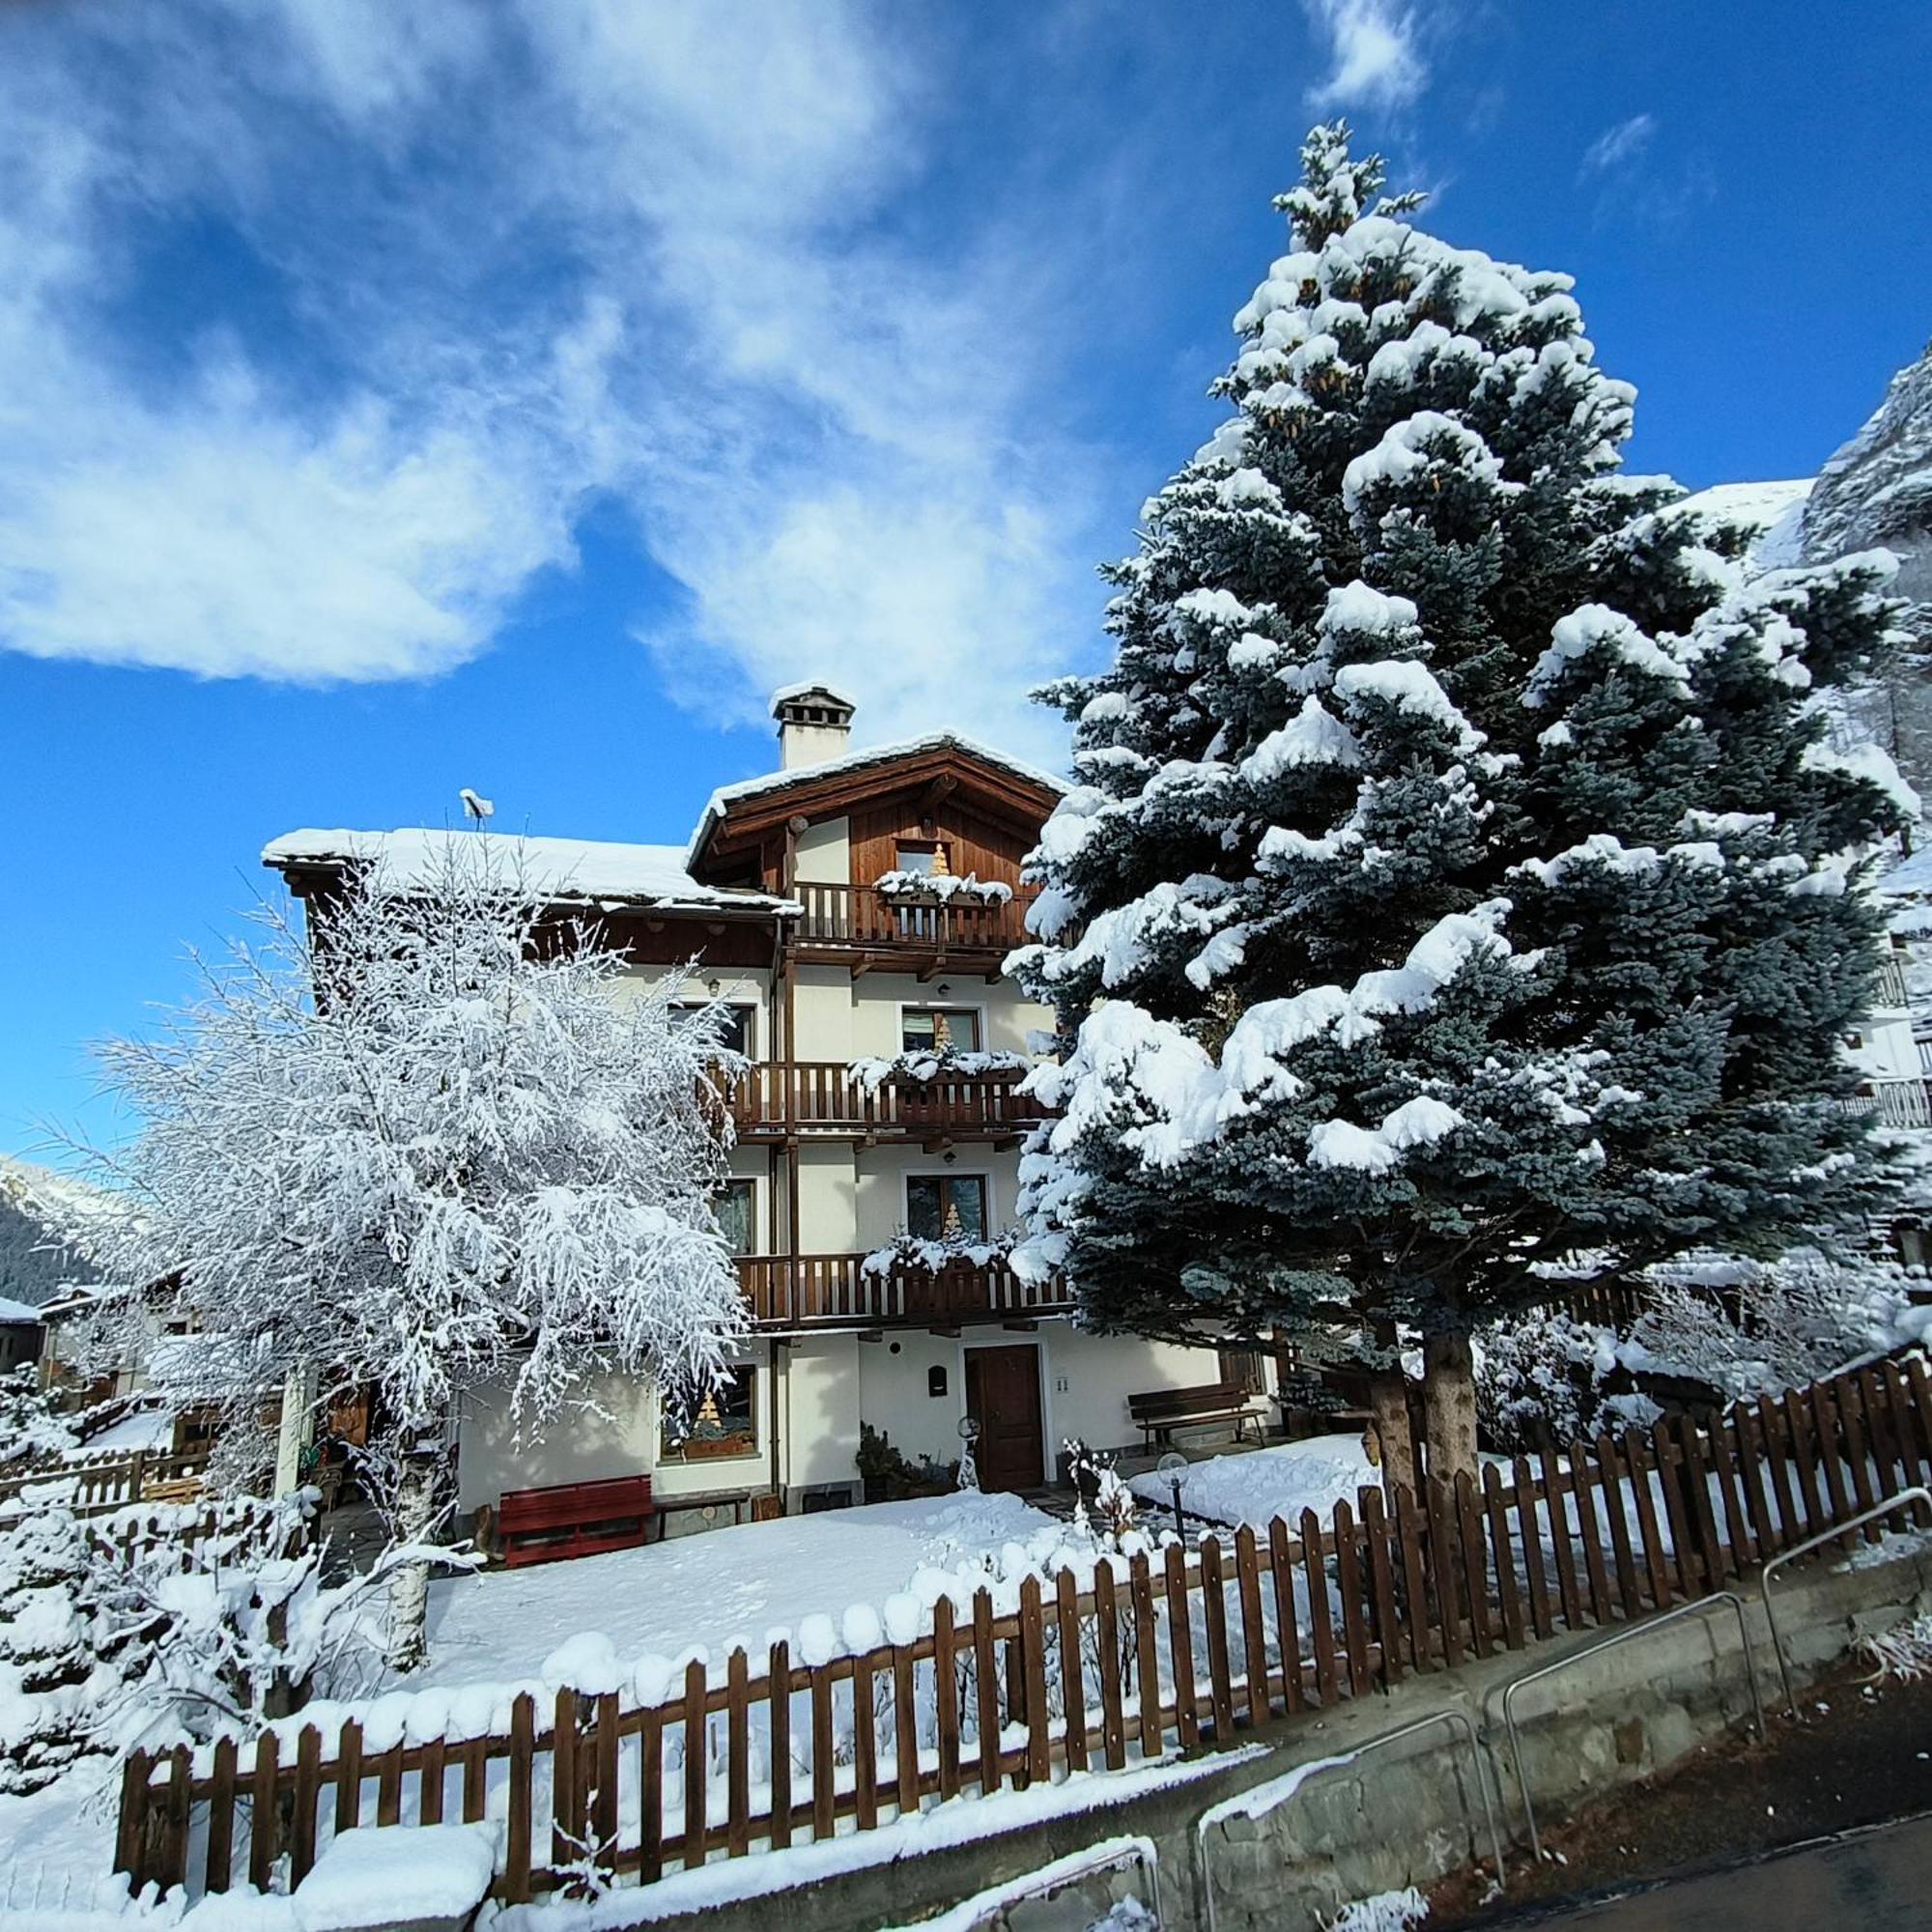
x=820, y=1099
x=838, y=1291
x=873, y=931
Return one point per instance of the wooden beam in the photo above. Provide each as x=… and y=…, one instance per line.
x=871, y=1334
x=937, y=967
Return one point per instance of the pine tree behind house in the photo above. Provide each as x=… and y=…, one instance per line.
x=1459, y=901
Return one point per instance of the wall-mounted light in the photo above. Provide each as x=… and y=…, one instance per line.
x=944, y=992
x=714, y=987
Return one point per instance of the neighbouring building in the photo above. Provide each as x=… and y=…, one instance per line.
x=852, y=910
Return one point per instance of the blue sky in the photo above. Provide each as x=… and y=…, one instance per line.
x=393, y=399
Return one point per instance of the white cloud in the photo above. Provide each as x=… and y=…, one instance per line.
x=517, y=258
x=1618, y=146
x=1373, y=50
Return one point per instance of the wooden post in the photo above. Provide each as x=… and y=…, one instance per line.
x=219, y=1865
x=1287, y=1632
x=650, y=1794
x=737, y=1756
x=988, y=1688
x=696, y=1764
x=1032, y=1665
x=945, y=1696
x=517, y=1821
x=1214, y=1611
x=1254, y=1638
x=1112, y=1724
x=1180, y=1645
x=1072, y=1671
x=905, y=1727
x=265, y=1815
x=1348, y=1589
x=1320, y=1618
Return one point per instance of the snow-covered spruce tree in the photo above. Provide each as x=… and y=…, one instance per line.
x=1459, y=892
x=425, y=1143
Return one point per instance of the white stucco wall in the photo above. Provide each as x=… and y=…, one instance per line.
x=818, y=1410
x=824, y=853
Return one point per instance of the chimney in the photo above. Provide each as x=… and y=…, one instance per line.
x=815, y=725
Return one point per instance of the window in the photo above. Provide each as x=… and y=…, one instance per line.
x=918, y=856
x=734, y=1030
x=946, y=1207
x=936, y=1029
x=736, y=1206
x=725, y=1422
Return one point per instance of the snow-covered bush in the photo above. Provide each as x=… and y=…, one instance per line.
x=1104, y=1508
x=427, y=1143
x=1547, y=1374
x=1747, y=1328
x=32, y=1425
x=152, y=1624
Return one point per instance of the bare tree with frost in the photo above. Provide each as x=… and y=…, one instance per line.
x=426, y=1142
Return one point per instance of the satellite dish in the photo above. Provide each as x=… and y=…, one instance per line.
x=475, y=806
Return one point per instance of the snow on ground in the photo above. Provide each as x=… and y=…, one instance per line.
x=1258, y=1485
x=713, y=1591
x=145, y=1429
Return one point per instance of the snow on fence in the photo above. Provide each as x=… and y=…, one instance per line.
x=1186, y=1648
x=99, y=1482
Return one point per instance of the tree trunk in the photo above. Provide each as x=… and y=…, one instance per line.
x=409, y=1588
x=1388, y=1407
x=1449, y=1402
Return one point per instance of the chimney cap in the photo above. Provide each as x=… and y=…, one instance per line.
x=814, y=696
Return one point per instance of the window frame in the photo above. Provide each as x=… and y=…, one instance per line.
x=943, y=1175
x=976, y=1011
x=727, y=1449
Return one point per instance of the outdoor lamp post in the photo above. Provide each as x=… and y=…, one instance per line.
x=969, y=1467
x=1174, y=1466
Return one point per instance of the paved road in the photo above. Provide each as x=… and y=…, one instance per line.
x=1877, y=1880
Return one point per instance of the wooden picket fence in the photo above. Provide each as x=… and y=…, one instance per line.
x=1188, y=1648
x=105, y=1480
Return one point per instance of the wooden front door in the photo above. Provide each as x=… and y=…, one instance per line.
x=1002, y=1397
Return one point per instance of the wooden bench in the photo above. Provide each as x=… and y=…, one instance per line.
x=573, y=1520
x=1159, y=1412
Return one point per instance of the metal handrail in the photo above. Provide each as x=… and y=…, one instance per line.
x=1645, y=1628
x=1918, y=1492
x=1141, y=1852
x=1293, y=1780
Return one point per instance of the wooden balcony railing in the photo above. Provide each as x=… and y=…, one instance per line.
x=836, y=1290
x=861, y=918
x=775, y=1097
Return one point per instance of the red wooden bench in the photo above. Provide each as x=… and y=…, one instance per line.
x=573, y=1520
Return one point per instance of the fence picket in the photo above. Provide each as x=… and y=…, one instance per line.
x=864, y=1743
x=737, y=1755
x=778, y=1699
x=1112, y=1724
x=307, y=1791
x=1288, y=1635
x=1348, y=1591
x=1442, y=1553
x=905, y=1730
x=1508, y=1599
x=1147, y=1655
x=566, y=1799
x=1073, y=1670
x=1611, y=1483
x=1382, y=1586
x=1657, y=1566
x=696, y=1764
x=1214, y=1614
x=218, y=1862
x=519, y=1822
x=265, y=1815
x=1529, y=1530
x=650, y=1798
x=946, y=1697
x=1475, y=1566
x=1033, y=1664
x=1181, y=1647
x=987, y=1686
x=1321, y=1617
x=1415, y=1579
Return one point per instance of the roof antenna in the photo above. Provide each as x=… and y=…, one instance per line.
x=476, y=808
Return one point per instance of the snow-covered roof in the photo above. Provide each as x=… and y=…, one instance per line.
x=1775, y=511
x=812, y=687
x=601, y=872
x=726, y=796
x=13, y=1313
